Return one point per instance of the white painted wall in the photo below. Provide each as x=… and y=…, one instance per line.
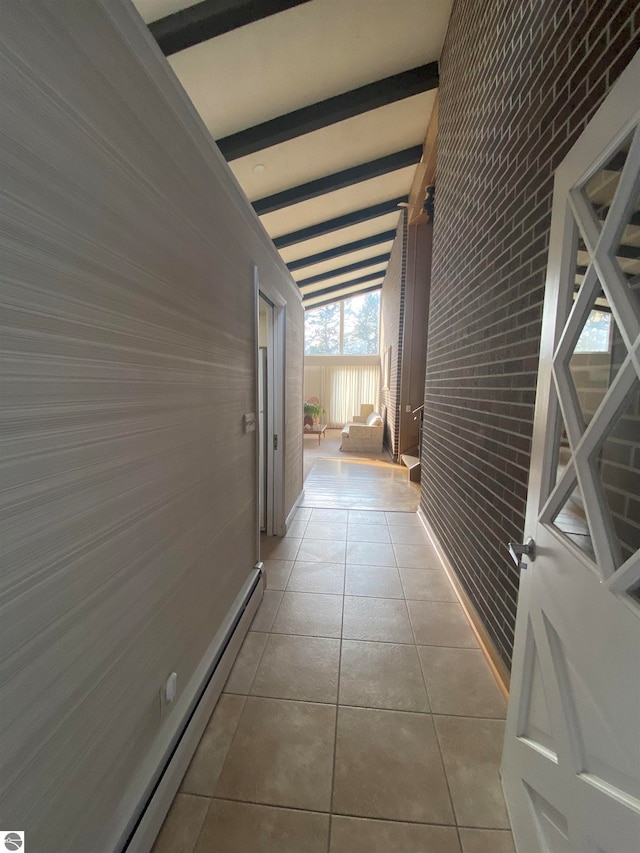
x=129, y=505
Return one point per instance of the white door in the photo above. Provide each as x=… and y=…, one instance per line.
x=571, y=763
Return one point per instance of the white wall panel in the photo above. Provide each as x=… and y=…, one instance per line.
x=127, y=327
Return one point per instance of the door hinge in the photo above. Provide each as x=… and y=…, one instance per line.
x=275, y=442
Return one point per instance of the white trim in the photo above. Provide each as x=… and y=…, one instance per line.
x=293, y=510
x=487, y=646
x=279, y=407
x=150, y=814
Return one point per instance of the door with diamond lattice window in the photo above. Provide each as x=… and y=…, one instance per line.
x=571, y=763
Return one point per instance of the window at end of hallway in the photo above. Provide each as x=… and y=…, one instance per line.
x=349, y=327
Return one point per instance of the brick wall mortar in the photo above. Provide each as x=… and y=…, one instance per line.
x=519, y=82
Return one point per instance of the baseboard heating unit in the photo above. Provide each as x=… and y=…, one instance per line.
x=152, y=810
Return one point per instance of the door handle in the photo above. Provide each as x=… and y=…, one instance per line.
x=527, y=549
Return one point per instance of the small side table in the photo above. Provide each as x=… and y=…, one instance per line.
x=316, y=429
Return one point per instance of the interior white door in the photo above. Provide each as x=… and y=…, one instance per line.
x=571, y=763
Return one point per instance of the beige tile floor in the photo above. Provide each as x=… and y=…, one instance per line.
x=360, y=715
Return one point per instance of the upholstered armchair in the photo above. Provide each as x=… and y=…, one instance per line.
x=365, y=410
x=364, y=437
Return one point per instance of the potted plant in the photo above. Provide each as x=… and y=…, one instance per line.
x=312, y=412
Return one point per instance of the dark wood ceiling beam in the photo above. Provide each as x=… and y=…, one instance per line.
x=211, y=18
x=324, y=113
x=339, y=180
x=345, y=249
x=325, y=291
x=341, y=297
x=360, y=265
x=330, y=225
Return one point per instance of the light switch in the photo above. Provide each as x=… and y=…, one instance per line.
x=249, y=420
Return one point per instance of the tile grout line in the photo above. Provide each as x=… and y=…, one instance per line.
x=347, y=814
x=237, y=726
x=335, y=731
x=331, y=813
x=350, y=815
x=435, y=731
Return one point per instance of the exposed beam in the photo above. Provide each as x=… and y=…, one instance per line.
x=335, y=109
x=345, y=249
x=426, y=172
x=339, y=180
x=211, y=18
x=360, y=265
x=363, y=279
x=342, y=296
x=330, y=225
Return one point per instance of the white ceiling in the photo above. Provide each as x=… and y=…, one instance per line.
x=306, y=54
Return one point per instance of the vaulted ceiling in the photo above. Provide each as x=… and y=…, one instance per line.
x=321, y=108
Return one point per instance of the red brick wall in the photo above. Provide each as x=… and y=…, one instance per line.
x=519, y=82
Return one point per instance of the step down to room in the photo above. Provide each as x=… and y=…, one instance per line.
x=413, y=464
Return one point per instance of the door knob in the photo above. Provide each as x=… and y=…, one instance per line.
x=527, y=549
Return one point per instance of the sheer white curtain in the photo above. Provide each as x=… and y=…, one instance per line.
x=341, y=388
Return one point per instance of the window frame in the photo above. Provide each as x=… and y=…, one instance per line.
x=341, y=353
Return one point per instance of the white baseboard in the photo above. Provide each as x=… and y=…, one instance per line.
x=221, y=656
x=487, y=646
x=293, y=511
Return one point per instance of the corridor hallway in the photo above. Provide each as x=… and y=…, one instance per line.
x=360, y=715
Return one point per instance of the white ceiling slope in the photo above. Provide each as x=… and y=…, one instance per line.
x=323, y=181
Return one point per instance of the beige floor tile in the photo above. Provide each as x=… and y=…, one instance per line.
x=263, y=620
x=296, y=529
x=368, y=533
x=277, y=572
x=460, y=682
x=471, y=751
x=440, y=623
x=373, y=581
x=276, y=548
x=206, y=765
x=366, y=516
x=409, y=535
x=321, y=551
x=182, y=825
x=427, y=585
x=303, y=513
x=388, y=766
x=317, y=577
x=309, y=614
x=247, y=828
x=303, y=668
x=416, y=557
x=486, y=841
x=281, y=755
x=363, y=835
x=331, y=515
x=405, y=519
x=382, y=619
x=381, y=675
x=246, y=664
x=326, y=530
x=370, y=554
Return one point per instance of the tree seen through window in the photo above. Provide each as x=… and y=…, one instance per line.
x=349, y=327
